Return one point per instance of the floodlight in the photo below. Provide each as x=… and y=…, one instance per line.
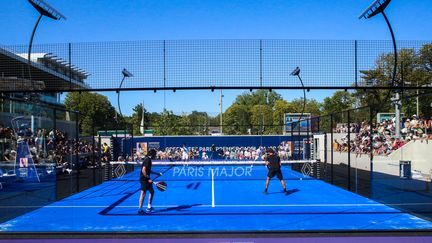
x=375, y=8
x=46, y=10
x=296, y=72
x=126, y=74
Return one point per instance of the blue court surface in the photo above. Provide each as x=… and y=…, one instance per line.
x=216, y=198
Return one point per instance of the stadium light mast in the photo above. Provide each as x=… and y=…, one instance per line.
x=126, y=74
x=44, y=9
x=378, y=7
x=296, y=72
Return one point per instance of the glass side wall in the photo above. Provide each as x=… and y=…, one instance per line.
x=348, y=164
x=402, y=164
x=27, y=158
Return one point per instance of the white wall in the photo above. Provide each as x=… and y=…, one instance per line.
x=418, y=152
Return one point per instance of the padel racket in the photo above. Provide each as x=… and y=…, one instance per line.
x=161, y=185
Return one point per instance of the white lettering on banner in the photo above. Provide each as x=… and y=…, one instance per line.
x=191, y=171
x=228, y=171
x=223, y=172
x=249, y=171
x=201, y=172
x=176, y=171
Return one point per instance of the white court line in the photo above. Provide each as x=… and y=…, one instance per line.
x=213, y=189
x=230, y=205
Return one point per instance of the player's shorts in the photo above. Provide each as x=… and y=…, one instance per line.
x=275, y=172
x=185, y=157
x=146, y=186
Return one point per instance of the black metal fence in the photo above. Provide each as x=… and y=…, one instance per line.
x=195, y=64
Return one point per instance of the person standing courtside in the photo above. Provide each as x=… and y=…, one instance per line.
x=273, y=163
x=185, y=154
x=146, y=182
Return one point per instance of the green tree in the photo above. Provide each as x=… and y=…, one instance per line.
x=280, y=108
x=312, y=106
x=184, y=125
x=261, y=119
x=167, y=123
x=94, y=110
x=199, y=122
x=236, y=120
x=414, y=69
x=339, y=101
x=259, y=97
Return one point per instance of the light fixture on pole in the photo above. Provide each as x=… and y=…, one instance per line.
x=44, y=9
x=296, y=72
x=378, y=7
x=126, y=74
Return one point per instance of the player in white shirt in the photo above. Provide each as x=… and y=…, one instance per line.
x=185, y=153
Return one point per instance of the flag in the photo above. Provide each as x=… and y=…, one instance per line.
x=142, y=121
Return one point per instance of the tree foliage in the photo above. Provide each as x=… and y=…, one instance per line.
x=94, y=109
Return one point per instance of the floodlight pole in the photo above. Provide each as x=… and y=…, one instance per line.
x=118, y=96
x=44, y=10
x=30, y=47
x=304, y=97
x=296, y=72
x=125, y=73
x=377, y=7
x=398, y=102
x=221, y=119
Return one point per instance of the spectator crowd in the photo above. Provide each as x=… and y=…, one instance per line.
x=45, y=145
x=245, y=153
x=381, y=138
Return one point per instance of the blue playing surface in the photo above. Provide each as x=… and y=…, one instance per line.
x=239, y=205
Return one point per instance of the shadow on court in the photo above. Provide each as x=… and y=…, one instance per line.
x=180, y=208
x=289, y=192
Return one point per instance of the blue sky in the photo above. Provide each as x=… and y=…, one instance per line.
x=114, y=20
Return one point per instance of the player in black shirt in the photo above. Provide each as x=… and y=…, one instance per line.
x=273, y=163
x=146, y=182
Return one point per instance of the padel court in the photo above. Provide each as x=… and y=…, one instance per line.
x=213, y=198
